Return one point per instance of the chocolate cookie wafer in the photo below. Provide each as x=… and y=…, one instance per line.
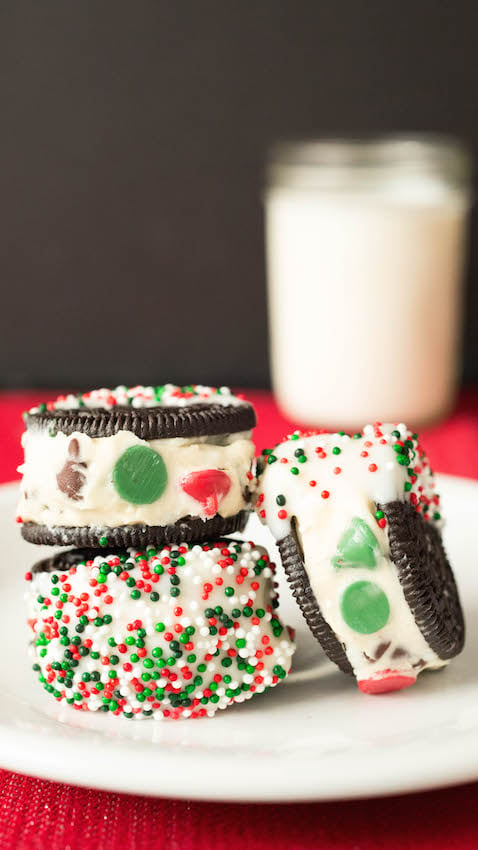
x=358, y=525
x=139, y=465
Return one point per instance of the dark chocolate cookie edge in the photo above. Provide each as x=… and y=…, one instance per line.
x=199, y=420
x=304, y=595
x=186, y=530
x=426, y=577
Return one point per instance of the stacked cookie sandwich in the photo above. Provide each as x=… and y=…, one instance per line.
x=156, y=612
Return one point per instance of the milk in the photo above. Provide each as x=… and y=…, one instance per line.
x=365, y=300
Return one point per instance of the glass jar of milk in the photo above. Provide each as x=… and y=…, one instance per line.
x=365, y=255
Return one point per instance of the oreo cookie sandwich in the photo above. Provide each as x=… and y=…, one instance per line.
x=174, y=631
x=358, y=524
x=137, y=466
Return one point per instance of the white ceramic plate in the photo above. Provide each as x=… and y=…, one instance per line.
x=315, y=737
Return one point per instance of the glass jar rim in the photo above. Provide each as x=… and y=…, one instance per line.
x=303, y=162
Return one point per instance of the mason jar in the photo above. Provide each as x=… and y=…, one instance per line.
x=365, y=244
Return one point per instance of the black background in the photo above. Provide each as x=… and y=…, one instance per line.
x=132, y=143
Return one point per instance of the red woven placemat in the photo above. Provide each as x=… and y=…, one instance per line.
x=40, y=815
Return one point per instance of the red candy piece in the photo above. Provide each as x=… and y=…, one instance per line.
x=386, y=681
x=208, y=486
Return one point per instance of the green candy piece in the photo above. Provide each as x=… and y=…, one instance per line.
x=365, y=607
x=140, y=475
x=356, y=546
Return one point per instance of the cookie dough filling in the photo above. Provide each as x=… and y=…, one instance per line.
x=78, y=480
x=358, y=523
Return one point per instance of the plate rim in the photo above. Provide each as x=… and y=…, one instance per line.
x=24, y=751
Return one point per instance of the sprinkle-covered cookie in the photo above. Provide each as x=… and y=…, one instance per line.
x=169, y=632
x=140, y=465
x=358, y=524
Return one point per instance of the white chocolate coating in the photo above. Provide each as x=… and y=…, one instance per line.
x=100, y=504
x=209, y=640
x=347, y=485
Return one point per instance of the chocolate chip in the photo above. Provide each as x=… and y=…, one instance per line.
x=399, y=652
x=381, y=649
x=74, y=448
x=71, y=478
x=247, y=495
